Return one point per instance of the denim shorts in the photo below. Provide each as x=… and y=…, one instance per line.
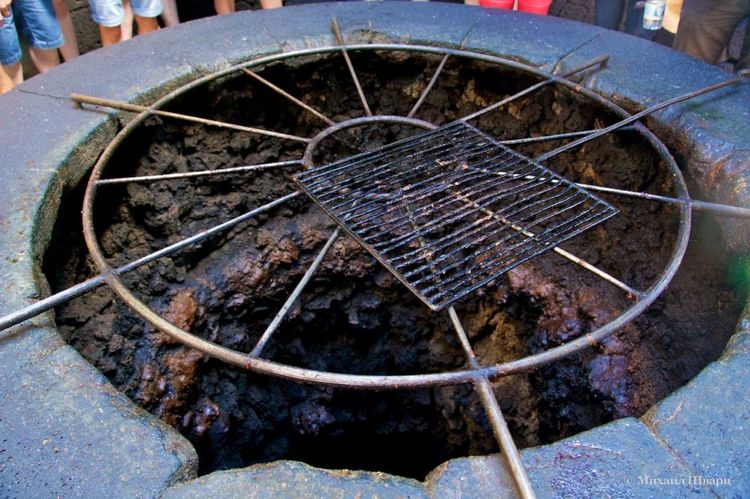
x=110, y=13
x=35, y=20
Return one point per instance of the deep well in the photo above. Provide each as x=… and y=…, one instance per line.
x=68, y=431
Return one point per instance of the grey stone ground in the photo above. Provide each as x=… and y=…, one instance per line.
x=64, y=431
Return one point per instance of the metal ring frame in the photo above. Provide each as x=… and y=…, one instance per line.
x=474, y=374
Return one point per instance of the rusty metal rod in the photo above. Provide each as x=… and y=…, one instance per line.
x=495, y=415
x=307, y=157
x=51, y=302
x=556, y=136
x=565, y=254
x=715, y=208
x=550, y=80
x=219, y=171
x=294, y=295
x=342, y=45
x=491, y=407
x=429, y=86
x=504, y=438
x=134, y=108
x=638, y=116
x=289, y=96
x=75, y=291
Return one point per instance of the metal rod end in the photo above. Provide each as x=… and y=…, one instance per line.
x=337, y=30
x=604, y=61
x=76, y=98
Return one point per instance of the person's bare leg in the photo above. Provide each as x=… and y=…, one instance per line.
x=146, y=24
x=5, y=82
x=169, y=13
x=127, y=22
x=44, y=59
x=14, y=72
x=224, y=7
x=271, y=4
x=69, y=50
x=110, y=35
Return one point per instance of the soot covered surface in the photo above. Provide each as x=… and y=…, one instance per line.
x=354, y=317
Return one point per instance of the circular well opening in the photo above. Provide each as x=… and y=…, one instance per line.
x=354, y=317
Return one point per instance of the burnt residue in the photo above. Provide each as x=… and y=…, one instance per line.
x=354, y=316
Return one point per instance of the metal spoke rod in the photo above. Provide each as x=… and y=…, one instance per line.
x=597, y=61
x=429, y=86
x=632, y=119
x=544, y=138
x=73, y=292
x=289, y=96
x=134, y=108
x=565, y=254
x=295, y=294
x=715, y=208
x=342, y=45
x=495, y=416
x=204, y=173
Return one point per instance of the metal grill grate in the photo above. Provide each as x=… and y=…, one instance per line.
x=451, y=210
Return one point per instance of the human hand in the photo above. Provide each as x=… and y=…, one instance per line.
x=4, y=10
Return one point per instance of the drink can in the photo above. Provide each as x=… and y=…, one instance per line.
x=653, y=14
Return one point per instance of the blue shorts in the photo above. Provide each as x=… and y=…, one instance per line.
x=110, y=13
x=35, y=20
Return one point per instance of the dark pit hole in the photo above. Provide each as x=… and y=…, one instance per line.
x=354, y=316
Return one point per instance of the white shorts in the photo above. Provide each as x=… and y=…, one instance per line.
x=110, y=13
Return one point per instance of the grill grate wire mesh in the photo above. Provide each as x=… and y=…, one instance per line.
x=451, y=210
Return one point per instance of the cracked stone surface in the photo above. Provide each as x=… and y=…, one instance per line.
x=621, y=459
x=293, y=480
x=66, y=432
x=707, y=422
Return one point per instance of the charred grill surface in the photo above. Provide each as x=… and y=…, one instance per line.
x=450, y=210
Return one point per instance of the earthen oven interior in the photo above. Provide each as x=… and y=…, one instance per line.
x=354, y=317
